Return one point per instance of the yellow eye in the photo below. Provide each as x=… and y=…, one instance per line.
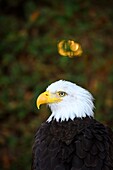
x=62, y=93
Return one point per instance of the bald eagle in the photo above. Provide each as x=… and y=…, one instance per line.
x=71, y=139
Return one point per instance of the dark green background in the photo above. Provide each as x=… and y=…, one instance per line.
x=29, y=62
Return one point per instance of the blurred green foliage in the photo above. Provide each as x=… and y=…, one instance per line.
x=29, y=62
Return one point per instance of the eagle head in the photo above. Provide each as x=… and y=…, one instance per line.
x=66, y=101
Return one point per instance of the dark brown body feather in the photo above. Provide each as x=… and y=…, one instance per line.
x=82, y=144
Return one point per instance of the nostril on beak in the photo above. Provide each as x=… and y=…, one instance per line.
x=46, y=94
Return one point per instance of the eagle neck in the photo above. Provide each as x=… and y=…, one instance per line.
x=69, y=113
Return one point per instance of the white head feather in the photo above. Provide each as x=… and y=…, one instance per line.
x=78, y=102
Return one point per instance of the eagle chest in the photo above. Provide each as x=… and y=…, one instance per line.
x=65, y=132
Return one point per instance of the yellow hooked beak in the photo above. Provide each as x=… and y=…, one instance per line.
x=46, y=98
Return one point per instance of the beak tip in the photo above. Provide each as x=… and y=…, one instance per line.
x=38, y=106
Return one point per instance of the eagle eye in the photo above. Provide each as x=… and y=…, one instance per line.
x=62, y=93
